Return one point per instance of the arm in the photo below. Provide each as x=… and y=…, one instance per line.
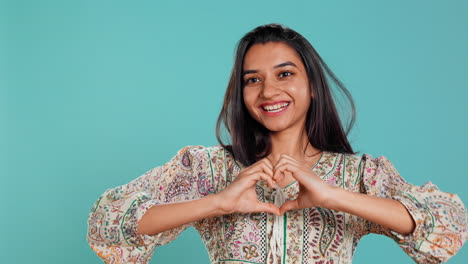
x=160, y=218
x=113, y=220
x=387, y=201
x=239, y=196
x=440, y=217
x=383, y=211
x=167, y=200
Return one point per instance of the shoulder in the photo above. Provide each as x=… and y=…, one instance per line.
x=376, y=166
x=214, y=163
x=347, y=159
x=369, y=160
x=200, y=152
x=364, y=159
x=360, y=161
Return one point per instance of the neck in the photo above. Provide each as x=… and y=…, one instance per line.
x=294, y=143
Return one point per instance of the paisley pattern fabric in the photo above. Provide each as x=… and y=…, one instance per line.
x=311, y=235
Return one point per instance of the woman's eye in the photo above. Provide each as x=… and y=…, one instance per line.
x=285, y=74
x=252, y=80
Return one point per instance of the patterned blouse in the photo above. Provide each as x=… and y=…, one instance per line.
x=312, y=235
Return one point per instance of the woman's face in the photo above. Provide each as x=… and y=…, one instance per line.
x=276, y=88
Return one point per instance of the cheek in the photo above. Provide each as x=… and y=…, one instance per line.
x=246, y=99
x=300, y=91
x=249, y=98
x=248, y=102
x=302, y=87
x=302, y=96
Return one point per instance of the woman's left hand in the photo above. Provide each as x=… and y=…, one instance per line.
x=313, y=191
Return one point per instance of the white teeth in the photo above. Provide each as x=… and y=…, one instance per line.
x=275, y=108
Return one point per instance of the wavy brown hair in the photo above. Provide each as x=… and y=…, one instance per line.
x=250, y=140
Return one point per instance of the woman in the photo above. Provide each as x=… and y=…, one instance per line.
x=289, y=188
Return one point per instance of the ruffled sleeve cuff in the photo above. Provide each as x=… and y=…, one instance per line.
x=440, y=220
x=130, y=223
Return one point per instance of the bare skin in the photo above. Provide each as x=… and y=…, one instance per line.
x=276, y=74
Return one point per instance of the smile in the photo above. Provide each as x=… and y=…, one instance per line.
x=275, y=109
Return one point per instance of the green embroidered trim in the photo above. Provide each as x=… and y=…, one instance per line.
x=344, y=171
x=121, y=225
x=211, y=166
x=224, y=164
x=238, y=260
x=343, y=183
x=334, y=166
x=96, y=206
x=432, y=217
x=359, y=173
x=285, y=224
x=290, y=184
x=319, y=160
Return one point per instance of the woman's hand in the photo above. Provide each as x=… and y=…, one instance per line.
x=313, y=191
x=240, y=195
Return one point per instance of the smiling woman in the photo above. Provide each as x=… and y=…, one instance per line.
x=287, y=189
x=276, y=89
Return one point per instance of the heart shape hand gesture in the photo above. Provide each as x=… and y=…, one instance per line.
x=240, y=195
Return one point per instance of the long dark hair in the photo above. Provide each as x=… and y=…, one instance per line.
x=250, y=140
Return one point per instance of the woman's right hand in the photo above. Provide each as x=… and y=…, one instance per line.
x=240, y=195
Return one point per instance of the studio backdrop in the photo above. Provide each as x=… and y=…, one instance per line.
x=95, y=93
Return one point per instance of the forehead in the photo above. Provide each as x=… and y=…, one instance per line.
x=267, y=55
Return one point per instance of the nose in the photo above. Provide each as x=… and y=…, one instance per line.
x=270, y=88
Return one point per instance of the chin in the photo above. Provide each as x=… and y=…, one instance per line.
x=275, y=127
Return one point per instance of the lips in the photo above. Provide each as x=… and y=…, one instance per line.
x=273, y=103
x=274, y=108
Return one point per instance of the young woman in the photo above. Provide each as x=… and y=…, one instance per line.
x=288, y=188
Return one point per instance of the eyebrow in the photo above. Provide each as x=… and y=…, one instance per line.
x=284, y=64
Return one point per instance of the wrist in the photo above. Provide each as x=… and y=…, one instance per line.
x=219, y=206
x=336, y=194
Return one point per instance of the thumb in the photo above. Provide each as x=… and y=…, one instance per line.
x=268, y=208
x=289, y=205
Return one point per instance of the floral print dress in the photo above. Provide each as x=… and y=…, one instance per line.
x=312, y=235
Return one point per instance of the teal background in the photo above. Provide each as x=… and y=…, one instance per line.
x=95, y=93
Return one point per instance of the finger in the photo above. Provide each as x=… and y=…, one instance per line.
x=283, y=160
x=280, y=170
x=289, y=205
x=287, y=159
x=268, y=163
x=278, y=177
x=268, y=179
x=255, y=176
x=259, y=167
x=267, y=166
x=287, y=174
x=262, y=165
x=268, y=208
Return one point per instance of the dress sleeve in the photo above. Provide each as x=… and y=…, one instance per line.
x=440, y=217
x=112, y=222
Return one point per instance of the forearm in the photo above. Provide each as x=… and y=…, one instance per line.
x=383, y=211
x=163, y=217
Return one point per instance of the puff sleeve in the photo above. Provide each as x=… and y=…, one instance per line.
x=112, y=222
x=440, y=217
